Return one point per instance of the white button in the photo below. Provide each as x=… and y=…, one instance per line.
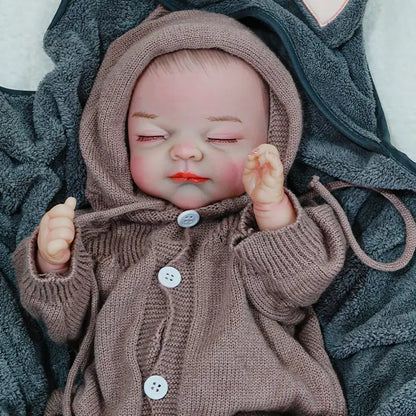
x=169, y=276
x=188, y=218
x=155, y=387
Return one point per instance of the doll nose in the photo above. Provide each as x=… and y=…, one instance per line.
x=185, y=151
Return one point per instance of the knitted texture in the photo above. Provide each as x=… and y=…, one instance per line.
x=242, y=312
x=240, y=316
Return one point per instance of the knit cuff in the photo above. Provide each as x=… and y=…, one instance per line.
x=52, y=287
x=296, y=263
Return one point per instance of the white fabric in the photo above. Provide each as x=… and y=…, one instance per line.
x=22, y=26
x=390, y=36
x=389, y=33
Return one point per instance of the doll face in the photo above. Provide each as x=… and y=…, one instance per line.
x=190, y=132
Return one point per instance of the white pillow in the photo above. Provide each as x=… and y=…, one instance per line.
x=390, y=37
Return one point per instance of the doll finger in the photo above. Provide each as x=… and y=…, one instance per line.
x=61, y=210
x=269, y=180
x=44, y=223
x=266, y=148
x=43, y=231
x=61, y=222
x=271, y=147
x=61, y=233
x=272, y=172
x=251, y=156
x=276, y=165
x=71, y=202
x=266, y=166
x=256, y=151
x=273, y=156
x=55, y=246
x=262, y=159
x=250, y=165
x=249, y=184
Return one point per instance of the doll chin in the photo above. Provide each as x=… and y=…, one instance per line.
x=188, y=204
x=189, y=201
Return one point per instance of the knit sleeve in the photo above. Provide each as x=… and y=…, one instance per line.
x=288, y=269
x=62, y=301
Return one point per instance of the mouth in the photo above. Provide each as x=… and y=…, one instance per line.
x=187, y=177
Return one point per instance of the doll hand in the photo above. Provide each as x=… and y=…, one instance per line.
x=263, y=175
x=56, y=233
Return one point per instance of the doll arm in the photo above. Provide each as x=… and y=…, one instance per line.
x=263, y=182
x=61, y=299
x=288, y=269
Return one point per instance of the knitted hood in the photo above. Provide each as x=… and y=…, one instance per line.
x=103, y=125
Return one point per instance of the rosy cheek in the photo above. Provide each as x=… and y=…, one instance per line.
x=233, y=172
x=136, y=165
x=141, y=172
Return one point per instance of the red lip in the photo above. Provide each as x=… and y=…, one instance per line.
x=187, y=177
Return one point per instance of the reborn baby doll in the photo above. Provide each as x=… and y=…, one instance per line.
x=188, y=288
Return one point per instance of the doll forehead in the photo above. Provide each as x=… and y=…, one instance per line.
x=208, y=60
x=226, y=91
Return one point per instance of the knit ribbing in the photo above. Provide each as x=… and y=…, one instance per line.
x=59, y=300
x=297, y=248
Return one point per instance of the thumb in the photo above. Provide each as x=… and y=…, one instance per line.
x=71, y=202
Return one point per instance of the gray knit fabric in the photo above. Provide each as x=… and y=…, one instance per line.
x=242, y=314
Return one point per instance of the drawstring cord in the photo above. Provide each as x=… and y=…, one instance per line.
x=324, y=191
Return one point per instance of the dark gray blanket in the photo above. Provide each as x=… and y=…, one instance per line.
x=368, y=317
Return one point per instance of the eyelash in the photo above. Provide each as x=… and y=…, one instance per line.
x=211, y=139
x=148, y=138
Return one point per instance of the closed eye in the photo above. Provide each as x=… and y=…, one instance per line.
x=148, y=138
x=216, y=140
